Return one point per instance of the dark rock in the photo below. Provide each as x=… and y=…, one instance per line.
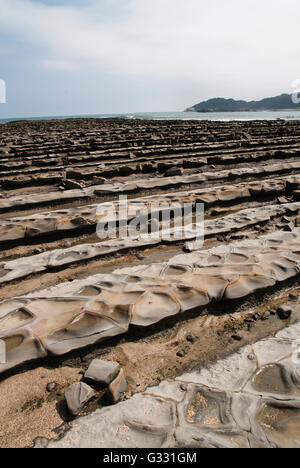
x=249, y=320
x=140, y=256
x=284, y=312
x=103, y=372
x=77, y=396
x=180, y=354
x=294, y=297
x=237, y=337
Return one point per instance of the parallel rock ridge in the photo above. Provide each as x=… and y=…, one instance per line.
x=23, y=227
x=161, y=293
x=73, y=316
x=63, y=257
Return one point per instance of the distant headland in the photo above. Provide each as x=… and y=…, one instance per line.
x=282, y=102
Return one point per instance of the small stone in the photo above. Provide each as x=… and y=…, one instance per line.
x=180, y=354
x=266, y=316
x=190, y=339
x=77, y=396
x=288, y=228
x=102, y=372
x=237, y=337
x=51, y=387
x=284, y=312
x=140, y=256
x=293, y=297
x=117, y=388
x=251, y=357
x=183, y=387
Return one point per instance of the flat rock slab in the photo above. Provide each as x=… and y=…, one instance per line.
x=77, y=396
x=102, y=372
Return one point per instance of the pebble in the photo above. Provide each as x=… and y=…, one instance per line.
x=237, y=337
x=51, y=387
x=37, y=251
x=140, y=257
x=191, y=338
x=284, y=312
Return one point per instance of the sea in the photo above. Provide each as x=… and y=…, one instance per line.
x=215, y=116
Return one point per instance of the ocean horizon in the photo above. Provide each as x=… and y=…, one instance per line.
x=211, y=116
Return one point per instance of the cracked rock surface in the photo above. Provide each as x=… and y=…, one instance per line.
x=234, y=403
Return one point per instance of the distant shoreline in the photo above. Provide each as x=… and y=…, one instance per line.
x=219, y=111
x=184, y=115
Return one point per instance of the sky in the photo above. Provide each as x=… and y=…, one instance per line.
x=75, y=57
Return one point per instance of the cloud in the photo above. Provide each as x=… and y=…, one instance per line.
x=193, y=41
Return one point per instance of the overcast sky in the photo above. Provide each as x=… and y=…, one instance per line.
x=61, y=57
